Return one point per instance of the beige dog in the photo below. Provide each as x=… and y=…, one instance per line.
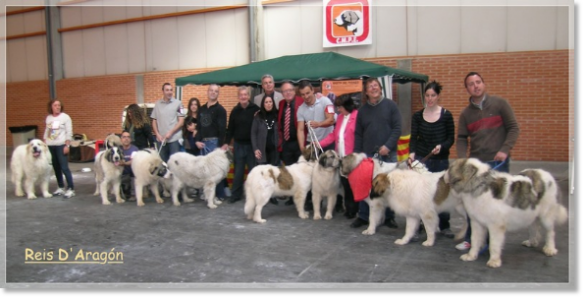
x=326, y=183
x=149, y=169
x=498, y=202
x=31, y=162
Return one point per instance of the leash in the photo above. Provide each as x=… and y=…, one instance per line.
x=161, y=145
x=317, y=147
x=413, y=163
x=498, y=166
x=206, y=150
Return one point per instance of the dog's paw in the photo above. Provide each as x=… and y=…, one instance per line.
x=402, y=241
x=106, y=203
x=188, y=199
x=260, y=220
x=428, y=243
x=120, y=200
x=176, y=203
x=47, y=195
x=96, y=193
x=140, y=203
x=549, y=251
x=166, y=194
x=328, y=216
x=494, y=263
x=468, y=257
x=212, y=206
x=368, y=232
x=19, y=193
x=527, y=243
x=304, y=215
x=316, y=217
x=217, y=201
x=31, y=196
x=160, y=200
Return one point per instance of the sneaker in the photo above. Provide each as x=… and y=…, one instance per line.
x=69, y=193
x=463, y=245
x=59, y=191
x=448, y=233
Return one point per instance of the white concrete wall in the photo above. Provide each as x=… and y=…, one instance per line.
x=221, y=39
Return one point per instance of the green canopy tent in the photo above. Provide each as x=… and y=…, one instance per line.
x=313, y=67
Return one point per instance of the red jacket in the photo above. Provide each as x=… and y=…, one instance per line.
x=298, y=102
x=348, y=135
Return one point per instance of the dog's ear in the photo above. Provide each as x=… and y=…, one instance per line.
x=323, y=159
x=108, y=155
x=351, y=16
x=152, y=169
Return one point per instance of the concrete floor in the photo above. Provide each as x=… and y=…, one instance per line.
x=193, y=246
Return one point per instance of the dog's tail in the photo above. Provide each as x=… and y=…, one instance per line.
x=250, y=201
x=561, y=215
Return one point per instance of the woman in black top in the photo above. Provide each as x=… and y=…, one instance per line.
x=265, y=133
x=433, y=131
x=139, y=127
x=190, y=126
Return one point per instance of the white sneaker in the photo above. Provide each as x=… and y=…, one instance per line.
x=69, y=193
x=463, y=245
x=59, y=191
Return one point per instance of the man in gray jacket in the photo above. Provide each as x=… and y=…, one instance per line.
x=268, y=87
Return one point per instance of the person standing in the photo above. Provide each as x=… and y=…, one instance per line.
x=319, y=112
x=128, y=149
x=57, y=136
x=433, y=131
x=240, y=129
x=168, y=117
x=138, y=125
x=343, y=136
x=268, y=91
x=265, y=134
x=212, y=119
x=378, y=128
x=190, y=127
x=487, y=129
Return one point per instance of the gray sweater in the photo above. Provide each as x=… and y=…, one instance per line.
x=377, y=125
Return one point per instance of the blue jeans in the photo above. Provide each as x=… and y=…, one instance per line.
x=243, y=155
x=168, y=149
x=505, y=167
x=438, y=166
x=61, y=166
x=364, y=208
x=210, y=145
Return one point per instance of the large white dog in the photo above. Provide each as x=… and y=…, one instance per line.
x=266, y=181
x=415, y=196
x=354, y=161
x=108, y=171
x=326, y=183
x=149, y=169
x=498, y=202
x=199, y=172
x=31, y=162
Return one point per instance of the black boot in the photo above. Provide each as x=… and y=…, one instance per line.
x=391, y=223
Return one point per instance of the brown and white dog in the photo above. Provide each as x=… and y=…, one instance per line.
x=266, y=181
x=416, y=196
x=31, y=162
x=326, y=183
x=497, y=202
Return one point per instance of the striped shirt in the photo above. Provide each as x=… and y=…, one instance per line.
x=426, y=135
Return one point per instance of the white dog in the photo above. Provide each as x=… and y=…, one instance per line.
x=266, y=181
x=148, y=169
x=326, y=182
x=108, y=171
x=31, y=162
x=415, y=196
x=498, y=202
x=354, y=161
x=199, y=172
x=352, y=21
